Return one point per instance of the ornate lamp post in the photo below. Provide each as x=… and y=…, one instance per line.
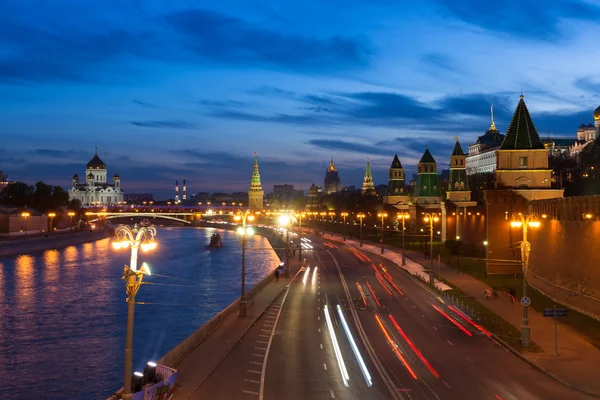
x=360, y=217
x=244, y=232
x=51, y=216
x=404, y=216
x=299, y=216
x=523, y=221
x=344, y=214
x=331, y=215
x=71, y=214
x=25, y=215
x=284, y=222
x=431, y=218
x=135, y=238
x=382, y=215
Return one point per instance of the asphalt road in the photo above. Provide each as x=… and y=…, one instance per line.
x=412, y=345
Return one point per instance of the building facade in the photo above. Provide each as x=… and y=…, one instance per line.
x=458, y=185
x=96, y=191
x=586, y=134
x=482, y=153
x=255, y=194
x=331, y=183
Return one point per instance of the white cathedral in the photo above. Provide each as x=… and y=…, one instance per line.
x=95, y=191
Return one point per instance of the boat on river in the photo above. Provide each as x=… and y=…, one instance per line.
x=215, y=240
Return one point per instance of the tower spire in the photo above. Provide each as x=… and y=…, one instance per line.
x=255, y=194
x=493, y=124
x=368, y=185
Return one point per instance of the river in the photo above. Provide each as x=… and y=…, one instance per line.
x=63, y=312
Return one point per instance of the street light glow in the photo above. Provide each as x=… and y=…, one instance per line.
x=516, y=224
x=284, y=220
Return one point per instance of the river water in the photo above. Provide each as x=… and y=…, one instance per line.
x=63, y=312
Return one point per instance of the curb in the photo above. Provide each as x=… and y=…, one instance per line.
x=234, y=343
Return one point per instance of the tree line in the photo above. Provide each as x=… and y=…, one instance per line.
x=41, y=197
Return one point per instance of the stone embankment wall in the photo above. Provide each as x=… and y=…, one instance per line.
x=23, y=245
x=179, y=352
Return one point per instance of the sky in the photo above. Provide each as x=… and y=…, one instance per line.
x=190, y=90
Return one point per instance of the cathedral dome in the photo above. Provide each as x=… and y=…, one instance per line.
x=597, y=114
x=75, y=176
x=582, y=127
x=90, y=175
x=96, y=163
x=116, y=176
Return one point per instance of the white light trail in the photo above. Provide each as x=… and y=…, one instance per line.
x=359, y=358
x=336, y=347
x=306, y=274
x=314, y=277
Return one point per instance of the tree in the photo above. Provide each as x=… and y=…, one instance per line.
x=17, y=194
x=479, y=183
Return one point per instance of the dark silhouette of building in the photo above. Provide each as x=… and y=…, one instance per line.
x=331, y=184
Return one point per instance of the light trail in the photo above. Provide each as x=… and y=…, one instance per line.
x=384, y=285
x=373, y=294
x=314, y=277
x=362, y=294
x=462, y=328
x=470, y=321
x=395, y=348
x=413, y=347
x=359, y=358
x=306, y=274
x=336, y=347
x=395, y=287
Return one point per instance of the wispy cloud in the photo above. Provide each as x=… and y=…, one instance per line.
x=165, y=124
x=348, y=146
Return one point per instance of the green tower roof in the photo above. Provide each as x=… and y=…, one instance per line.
x=396, y=162
x=427, y=157
x=521, y=133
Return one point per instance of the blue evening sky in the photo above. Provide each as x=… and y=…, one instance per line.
x=190, y=89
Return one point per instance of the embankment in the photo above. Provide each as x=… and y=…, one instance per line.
x=13, y=247
x=179, y=352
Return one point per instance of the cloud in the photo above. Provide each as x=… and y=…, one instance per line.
x=57, y=153
x=144, y=104
x=266, y=90
x=588, y=84
x=533, y=19
x=166, y=124
x=277, y=118
x=442, y=61
x=225, y=39
x=221, y=103
x=348, y=146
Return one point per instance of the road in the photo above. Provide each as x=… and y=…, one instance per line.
x=408, y=343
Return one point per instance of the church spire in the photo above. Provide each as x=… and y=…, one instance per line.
x=521, y=133
x=255, y=194
x=493, y=124
x=368, y=185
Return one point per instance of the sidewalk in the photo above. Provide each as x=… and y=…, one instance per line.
x=578, y=360
x=199, y=364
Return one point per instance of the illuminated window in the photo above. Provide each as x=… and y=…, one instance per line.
x=522, y=161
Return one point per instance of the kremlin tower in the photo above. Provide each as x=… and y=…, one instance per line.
x=256, y=193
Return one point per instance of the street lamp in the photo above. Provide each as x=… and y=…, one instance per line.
x=431, y=218
x=323, y=214
x=344, y=214
x=403, y=217
x=360, y=217
x=25, y=214
x=51, y=216
x=136, y=238
x=244, y=232
x=284, y=221
x=299, y=216
x=523, y=221
x=331, y=214
x=382, y=215
x=71, y=214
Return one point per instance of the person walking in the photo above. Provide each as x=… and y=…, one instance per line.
x=277, y=275
x=513, y=293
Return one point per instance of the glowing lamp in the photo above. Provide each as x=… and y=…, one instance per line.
x=485, y=242
x=116, y=245
x=249, y=231
x=534, y=224
x=237, y=217
x=284, y=220
x=250, y=218
x=240, y=230
x=516, y=224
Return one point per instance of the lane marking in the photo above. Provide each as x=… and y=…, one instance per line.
x=258, y=355
x=261, y=341
x=331, y=393
x=260, y=348
x=325, y=366
x=434, y=328
x=447, y=384
x=251, y=381
x=256, y=363
x=266, y=330
x=250, y=392
x=264, y=336
x=253, y=371
x=422, y=316
x=414, y=306
x=319, y=329
x=449, y=342
x=321, y=346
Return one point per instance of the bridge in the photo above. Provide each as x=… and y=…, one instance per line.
x=170, y=214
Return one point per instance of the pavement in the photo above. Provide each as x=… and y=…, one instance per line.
x=578, y=360
x=352, y=325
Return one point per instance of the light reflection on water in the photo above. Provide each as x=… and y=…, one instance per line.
x=63, y=312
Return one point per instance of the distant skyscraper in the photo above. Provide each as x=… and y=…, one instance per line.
x=368, y=185
x=176, y=191
x=184, y=191
x=331, y=184
x=255, y=194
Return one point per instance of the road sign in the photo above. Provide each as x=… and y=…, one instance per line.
x=555, y=312
x=526, y=301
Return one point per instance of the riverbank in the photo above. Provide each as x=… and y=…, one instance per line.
x=23, y=245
